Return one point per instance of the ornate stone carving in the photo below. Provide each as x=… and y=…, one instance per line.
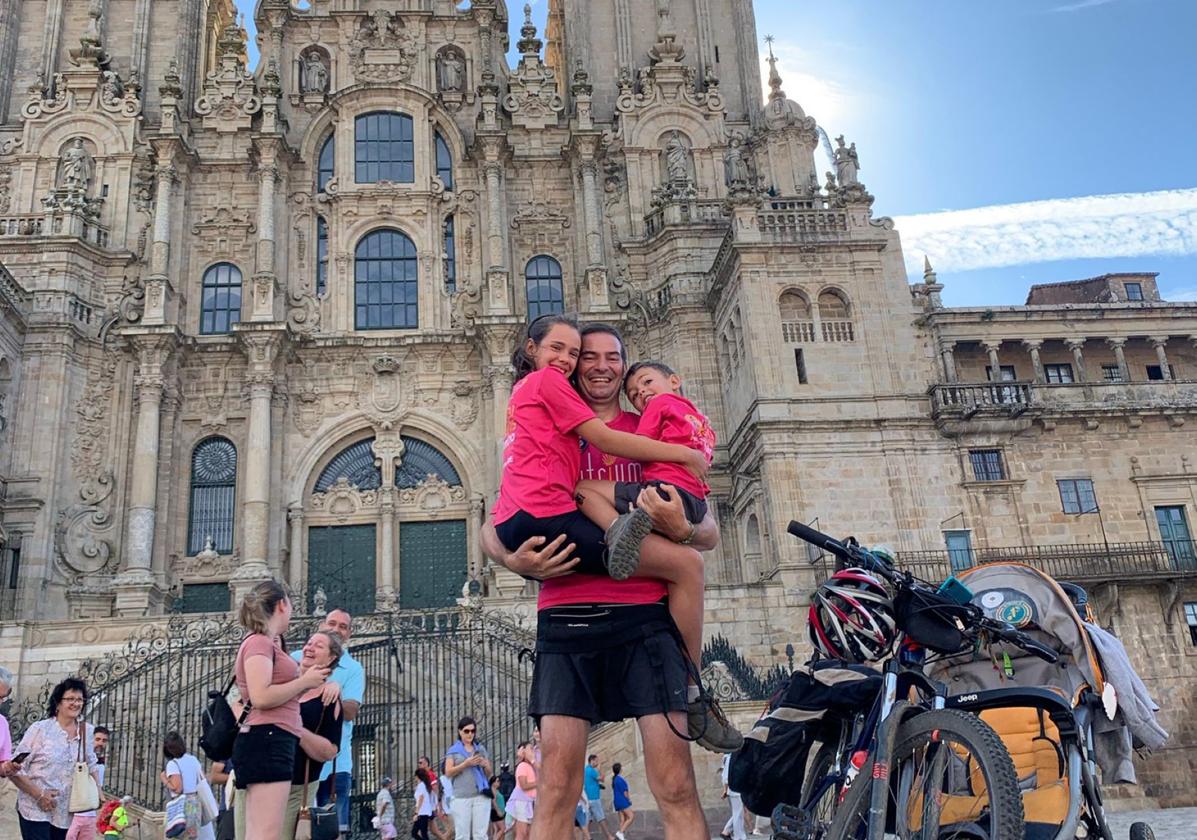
x=532, y=98
x=314, y=77
x=386, y=391
x=450, y=70
x=384, y=49
x=464, y=406
x=76, y=167
x=847, y=164
x=5, y=188
x=230, y=99
x=668, y=81
x=43, y=102
x=539, y=213
x=303, y=312
x=307, y=406
x=209, y=564
x=432, y=496
x=225, y=226
x=343, y=499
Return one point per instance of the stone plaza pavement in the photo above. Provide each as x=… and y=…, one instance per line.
x=1168, y=823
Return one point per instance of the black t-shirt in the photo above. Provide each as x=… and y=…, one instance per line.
x=330, y=727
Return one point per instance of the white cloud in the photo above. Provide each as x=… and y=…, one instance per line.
x=1081, y=4
x=1123, y=225
x=824, y=99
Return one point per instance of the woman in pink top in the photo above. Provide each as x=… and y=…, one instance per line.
x=523, y=797
x=264, y=753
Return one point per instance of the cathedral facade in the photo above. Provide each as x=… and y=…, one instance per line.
x=258, y=323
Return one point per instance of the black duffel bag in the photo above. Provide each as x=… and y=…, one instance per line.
x=769, y=769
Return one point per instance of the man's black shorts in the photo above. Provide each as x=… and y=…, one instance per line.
x=607, y=662
x=627, y=492
x=588, y=538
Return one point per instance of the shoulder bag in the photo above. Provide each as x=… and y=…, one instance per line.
x=318, y=822
x=219, y=726
x=85, y=793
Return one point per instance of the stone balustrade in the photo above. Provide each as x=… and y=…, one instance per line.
x=801, y=225
x=56, y=224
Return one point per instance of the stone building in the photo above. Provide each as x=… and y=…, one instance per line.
x=258, y=324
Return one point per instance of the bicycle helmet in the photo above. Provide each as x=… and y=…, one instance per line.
x=852, y=617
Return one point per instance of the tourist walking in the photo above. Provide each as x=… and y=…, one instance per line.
x=321, y=736
x=184, y=776
x=44, y=777
x=498, y=810
x=589, y=626
x=384, y=809
x=620, y=801
x=467, y=764
x=83, y=825
x=522, y=803
x=735, y=828
x=592, y=786
x=270, y=683
x=422, y=813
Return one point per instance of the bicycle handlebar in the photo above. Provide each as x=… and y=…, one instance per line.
x=1008, y=633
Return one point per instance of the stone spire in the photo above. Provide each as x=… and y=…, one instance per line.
x=928, y=272
x=775, y=91
x=529, y=44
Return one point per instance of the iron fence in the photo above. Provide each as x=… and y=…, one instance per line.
x=424, y=670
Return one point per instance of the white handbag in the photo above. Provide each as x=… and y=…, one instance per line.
x=209, y=810
x=85, y=793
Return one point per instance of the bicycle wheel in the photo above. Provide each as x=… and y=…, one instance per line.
x=951, y=779
x=792, y=822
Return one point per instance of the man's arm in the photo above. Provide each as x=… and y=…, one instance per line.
x=536, y=558
x=352, y=693
x=669, y=518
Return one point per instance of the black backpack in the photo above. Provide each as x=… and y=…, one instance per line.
x=218, y=726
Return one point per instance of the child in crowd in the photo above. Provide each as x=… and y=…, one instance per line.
x=621, y=801
x=522, y=803
x=113, y=818
x=422, y=812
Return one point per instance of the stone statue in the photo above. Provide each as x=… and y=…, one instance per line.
x=452, y=71
x=315, y=74
x=847, y=164
x=735, y=165
x=677, y=158
x=664, y=20
x=95, y=11
x=830, y=186
x=111, y=88
x=319, y=601
x=76, y=167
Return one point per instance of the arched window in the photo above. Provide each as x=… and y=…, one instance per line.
x=321, y=255
x=384, y=282
x=356, y=464
x=213, y=492
x=383, y=149
x=420, y=460
x=450, y=256
x=543, y=282
x=752, y=535
x=833, y=305
x=324, y=164
x=793, y=307
x=444, y=161
x=220, y=302
x=836, y=315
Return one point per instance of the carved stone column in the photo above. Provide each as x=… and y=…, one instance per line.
x=262, y=305
x=1036, y=362
x=295, y=560
x=138, y=592
x=1161, y=355
x=385, y=595
x=949, y=361
x=261, y=349
x=594, y=237
x=494, y=222
x=1078, y=358
x=9, y=24
x=1118, y=345
x=157, y=285
x=995, y=364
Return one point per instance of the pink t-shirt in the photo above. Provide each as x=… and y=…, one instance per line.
x=541, y=452
x=598, y=589
x=527, y=773
x=671, y=418
x=285, y=670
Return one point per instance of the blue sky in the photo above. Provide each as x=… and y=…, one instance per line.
x=1023, y=112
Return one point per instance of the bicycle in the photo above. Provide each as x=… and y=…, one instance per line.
x=912, y=754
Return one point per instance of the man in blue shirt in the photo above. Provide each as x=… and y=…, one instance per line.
x=592, y=786
x=350, y=678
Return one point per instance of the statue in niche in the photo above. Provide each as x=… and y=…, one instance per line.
x=315, y=74
x=736, y=165
x=452, y=71
x=677, y=158
x=95, y=12
x=77, y=167
x=847, y=164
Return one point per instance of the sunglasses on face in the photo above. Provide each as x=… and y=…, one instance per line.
x=469, y=731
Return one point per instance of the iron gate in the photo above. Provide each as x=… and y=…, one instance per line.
x=424, y=669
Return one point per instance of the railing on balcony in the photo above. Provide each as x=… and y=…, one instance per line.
x=838, y=331
x=798, y=332
x=793, y=225
x=969, y=399
x=32, y=225
x=1080, y=562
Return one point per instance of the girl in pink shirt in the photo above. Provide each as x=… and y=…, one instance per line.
x=542, y=460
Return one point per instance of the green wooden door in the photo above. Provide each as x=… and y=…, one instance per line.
x=1174, y=531
x=341, y=562
x=432, y=563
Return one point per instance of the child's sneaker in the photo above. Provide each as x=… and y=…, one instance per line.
x=623, y=539
x=707, y=723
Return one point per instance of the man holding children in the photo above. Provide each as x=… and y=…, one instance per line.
x=621, y=638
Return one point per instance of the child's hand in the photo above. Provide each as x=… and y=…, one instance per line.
x=697, y=464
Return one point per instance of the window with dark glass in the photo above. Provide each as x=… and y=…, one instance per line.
x=1008, y=374
x=213, y=491
x=444, y=161
x=1111, y=373
x=356, y=464
x=1191, y=620
x=543, y=282
x=1134, y=291
x=987, y=464
x=450, y=256
x=1058, y=374
x=1077, y=495
x=324, y=165
x=202, y=598
x=220, y=300
x=321, y=255
x=385, y=282
x=1155, y=373
x=383, y=149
